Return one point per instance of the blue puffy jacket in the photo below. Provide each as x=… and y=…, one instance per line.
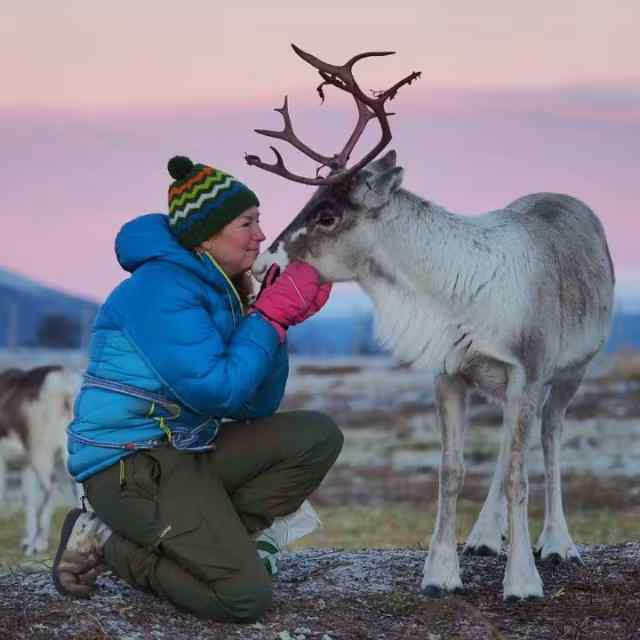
x=175, y=328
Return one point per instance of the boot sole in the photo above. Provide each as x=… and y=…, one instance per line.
x=65, y=534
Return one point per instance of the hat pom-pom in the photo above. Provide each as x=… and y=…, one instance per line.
x=179, y=167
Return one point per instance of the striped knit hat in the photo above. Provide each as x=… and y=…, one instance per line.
x=202, y=200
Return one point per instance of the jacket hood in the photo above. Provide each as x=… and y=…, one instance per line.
x=148, y=238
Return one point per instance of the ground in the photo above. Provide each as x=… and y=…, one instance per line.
x=330, y=594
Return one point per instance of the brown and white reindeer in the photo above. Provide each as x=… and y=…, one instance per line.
x=36, y=405
x=515, y=303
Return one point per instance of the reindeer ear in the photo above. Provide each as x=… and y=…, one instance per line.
x=388, y=182
x=388, y=161
x=375, y=190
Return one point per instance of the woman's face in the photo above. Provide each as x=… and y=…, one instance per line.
x=236, y=246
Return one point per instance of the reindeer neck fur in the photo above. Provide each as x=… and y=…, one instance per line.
x=425, y=278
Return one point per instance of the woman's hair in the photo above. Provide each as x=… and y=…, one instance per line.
x=243, y=283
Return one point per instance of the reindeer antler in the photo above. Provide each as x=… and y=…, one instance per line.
x=368, y=108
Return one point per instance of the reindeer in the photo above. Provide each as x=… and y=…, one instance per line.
x=514, y=303
x=36, y=405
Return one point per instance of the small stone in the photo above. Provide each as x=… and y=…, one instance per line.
x=302, y=630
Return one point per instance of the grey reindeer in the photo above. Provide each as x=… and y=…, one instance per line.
x=514, y=303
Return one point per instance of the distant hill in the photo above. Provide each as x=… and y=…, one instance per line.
x=33, y=315
x=625, y=332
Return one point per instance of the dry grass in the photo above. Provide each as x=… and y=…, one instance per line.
x=390, y=526
x=404, y=525
x=625, y=367
x=11, y=531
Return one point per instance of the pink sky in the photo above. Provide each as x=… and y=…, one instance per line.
x=513, y=99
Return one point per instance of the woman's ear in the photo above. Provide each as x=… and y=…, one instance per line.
x=206, y=245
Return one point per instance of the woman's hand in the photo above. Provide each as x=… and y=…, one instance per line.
x=292, y=296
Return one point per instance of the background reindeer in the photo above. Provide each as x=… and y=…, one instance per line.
x=515, y=303
x=35, y=408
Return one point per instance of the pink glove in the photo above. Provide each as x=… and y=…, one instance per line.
x=292, y=296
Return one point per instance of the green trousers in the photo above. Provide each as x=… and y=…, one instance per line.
x=182, y=522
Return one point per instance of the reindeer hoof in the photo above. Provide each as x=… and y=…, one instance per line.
x=557, y=558
x=483, y=550
x=517, y=599
x=433, y=591
x=553, y=559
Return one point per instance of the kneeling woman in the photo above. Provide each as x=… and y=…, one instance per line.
x=184, y=461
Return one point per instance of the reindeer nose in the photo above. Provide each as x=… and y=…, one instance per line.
x=261, y=264
x=259, y=271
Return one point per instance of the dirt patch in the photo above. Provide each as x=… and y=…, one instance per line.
x=330, y=594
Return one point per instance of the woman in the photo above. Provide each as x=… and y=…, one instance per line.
x=187, y=468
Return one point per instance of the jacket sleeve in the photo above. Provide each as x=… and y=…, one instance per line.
x=267, y=398
x=174, y=330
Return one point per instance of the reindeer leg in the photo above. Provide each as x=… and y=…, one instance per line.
x=38, y=478
x=490, y=528
x=522, y=409
x=45, y=514
x=3, y=479
x=555, y=542
x=442, y=568
x=31, y=491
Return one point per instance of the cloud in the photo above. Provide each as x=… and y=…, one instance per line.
x=599, y=103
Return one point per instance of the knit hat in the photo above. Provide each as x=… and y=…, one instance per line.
x=202, y=200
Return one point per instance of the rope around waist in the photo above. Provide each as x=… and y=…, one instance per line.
x=182, y=437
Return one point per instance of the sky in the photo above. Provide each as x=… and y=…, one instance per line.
x=514, y=98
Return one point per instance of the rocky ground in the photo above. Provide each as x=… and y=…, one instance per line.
x=335, y=595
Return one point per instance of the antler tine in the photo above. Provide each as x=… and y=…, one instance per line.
x=320, y=65
x=279, y=168
x=377, y=111
x=390, y=93
x=343, y=71
x=340, y=76
x=288, y=135
x=364, y=115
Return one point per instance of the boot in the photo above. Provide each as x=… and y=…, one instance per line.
x=80, y=559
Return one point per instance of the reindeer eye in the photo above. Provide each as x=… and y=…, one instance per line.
x=326, y=221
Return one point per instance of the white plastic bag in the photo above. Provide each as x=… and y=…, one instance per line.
x=289, y=528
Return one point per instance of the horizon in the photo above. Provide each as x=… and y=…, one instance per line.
x=627, y=292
